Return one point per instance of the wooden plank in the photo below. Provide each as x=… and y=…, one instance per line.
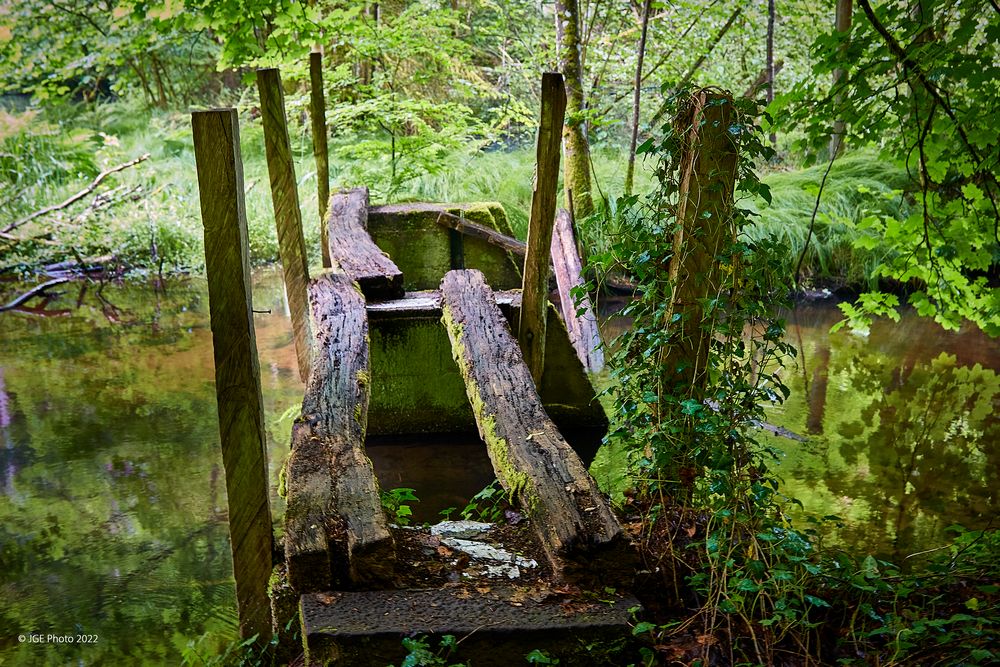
x=531, y=459
x=427, y=303
x=352, y=249
x=237, y=372
x=476, y=230
x=582, y=326
x=287, y=215
x=535, y=285
x=317, y=112
x=335, y=529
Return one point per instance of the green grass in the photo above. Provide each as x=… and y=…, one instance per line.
x=859, y=184
x=43, y=160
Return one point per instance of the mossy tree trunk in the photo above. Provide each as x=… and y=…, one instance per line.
x=575, y=145
x=707, y=178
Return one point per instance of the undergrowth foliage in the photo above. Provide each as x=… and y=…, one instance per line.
x=755, y=589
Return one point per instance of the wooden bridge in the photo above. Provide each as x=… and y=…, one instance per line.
x=417, y=325
x=337, y=536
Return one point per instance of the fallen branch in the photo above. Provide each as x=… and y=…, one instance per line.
x=33, y=292
x=75, y=198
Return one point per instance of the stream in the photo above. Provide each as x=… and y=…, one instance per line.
x=112, y=494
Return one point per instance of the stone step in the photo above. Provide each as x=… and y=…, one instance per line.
x=494, y=625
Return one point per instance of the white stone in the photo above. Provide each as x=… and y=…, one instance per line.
x=461, y=529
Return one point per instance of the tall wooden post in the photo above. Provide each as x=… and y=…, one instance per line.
x=708, y=161
x=237, y=373
x=317, y=109
x=287, y=215
x=535, y=285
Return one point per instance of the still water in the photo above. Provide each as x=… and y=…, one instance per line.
x=112, y=500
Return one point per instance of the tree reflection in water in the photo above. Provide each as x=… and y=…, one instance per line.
x=903, y=431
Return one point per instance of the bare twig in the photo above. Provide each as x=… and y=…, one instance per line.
x=75, y=198
x=812, y=220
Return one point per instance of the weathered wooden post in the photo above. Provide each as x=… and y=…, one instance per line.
x=237, y=373
x=287, y=215
x=708, y=161
x=317, y=111
x=535, y=285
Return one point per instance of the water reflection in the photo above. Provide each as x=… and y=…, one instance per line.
x=903, y=430
x=903, y=437
x=113, y=508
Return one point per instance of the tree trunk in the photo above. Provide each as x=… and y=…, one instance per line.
x=707, y=164
x=575, y=144
x=630, y=171
x=770, y=60
x=711, y=47
x=844, y=9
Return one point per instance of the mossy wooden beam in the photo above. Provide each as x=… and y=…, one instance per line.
x=287, y=215
x=317, y=112
x=335, y=529
x=352, y=249
x=532, y=460
x=581, y=322
x=535, y=285
x=476, y=230
x=237, y=371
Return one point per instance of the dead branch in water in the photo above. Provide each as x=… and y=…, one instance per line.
x=33, y=292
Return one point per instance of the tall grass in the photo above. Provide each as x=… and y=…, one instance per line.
x=44, y=160
x=859, y=184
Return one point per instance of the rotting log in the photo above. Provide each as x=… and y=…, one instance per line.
x=335, y=529
x=287, y=215
x=352, y=249
x=535, y=285
x=532, y=460
x=317, y=112
x=237, y=370
x=581, y=322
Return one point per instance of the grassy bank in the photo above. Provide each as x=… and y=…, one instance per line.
x=148, y=215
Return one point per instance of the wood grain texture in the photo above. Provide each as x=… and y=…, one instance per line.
x=535, y=285
x=237, y=372
x=287, y=215
x=317, y=112
x=582, y=328
x=531, y=459
x=708, y=162
x=352, y=249
x=335, y=528
x=482, y=232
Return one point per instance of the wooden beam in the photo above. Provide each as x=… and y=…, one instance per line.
x=581, y=322
x=335, y=528
x=532, y=460
x=317, y=108
x=352, y=249
x=237, y=373
x=287, y=215
x=482, y=232
x=535, y=285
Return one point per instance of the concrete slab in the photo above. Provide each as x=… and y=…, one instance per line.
x=496, y=625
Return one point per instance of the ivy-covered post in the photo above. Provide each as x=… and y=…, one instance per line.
x=237, y=370
x=287, y=215
x=535, y=285
x=707, y=177
x=317, y=111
